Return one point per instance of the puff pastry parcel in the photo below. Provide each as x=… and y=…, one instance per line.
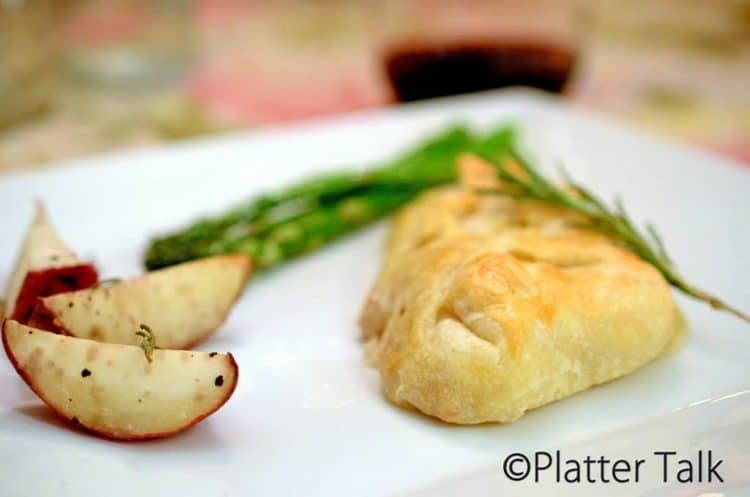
x=487, y=307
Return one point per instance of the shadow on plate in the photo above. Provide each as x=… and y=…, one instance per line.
x=199, y=438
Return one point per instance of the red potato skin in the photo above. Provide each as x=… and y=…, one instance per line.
x=121, y=437
x=44, y=319
x=51, y=281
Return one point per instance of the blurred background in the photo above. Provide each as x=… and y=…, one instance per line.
x=83, y=77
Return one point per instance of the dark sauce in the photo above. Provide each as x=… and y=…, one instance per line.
x=418, y=72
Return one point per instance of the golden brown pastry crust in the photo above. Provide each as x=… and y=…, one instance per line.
x=487, y=307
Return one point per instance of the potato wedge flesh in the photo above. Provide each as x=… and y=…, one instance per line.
x=182, y=304
x=113, y=389
x=45, y=265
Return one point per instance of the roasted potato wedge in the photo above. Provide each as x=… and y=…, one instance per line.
x=183, y=304
x=45, y=266
x=114, y=390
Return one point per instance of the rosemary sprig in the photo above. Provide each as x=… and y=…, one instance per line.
x=522, y=180
x=108, y=282
x=148, y=342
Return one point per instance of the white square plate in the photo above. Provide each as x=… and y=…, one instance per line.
x=308, y=417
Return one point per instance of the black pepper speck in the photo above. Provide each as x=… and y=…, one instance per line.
x=212, y=354
x=219, y=381
x=85, y=373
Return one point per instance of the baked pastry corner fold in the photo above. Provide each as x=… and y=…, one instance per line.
x=487, y=307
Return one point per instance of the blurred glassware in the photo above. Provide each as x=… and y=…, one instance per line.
x=128, y=43
x=451, y=50
x=28, y=59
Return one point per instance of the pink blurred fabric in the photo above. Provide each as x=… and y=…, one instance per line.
x=247, y=95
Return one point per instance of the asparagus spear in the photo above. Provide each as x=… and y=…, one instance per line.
x=276, y=227
x=318, y=227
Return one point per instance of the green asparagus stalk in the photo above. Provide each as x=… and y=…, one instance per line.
x=318, y=227
x=277, y=227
